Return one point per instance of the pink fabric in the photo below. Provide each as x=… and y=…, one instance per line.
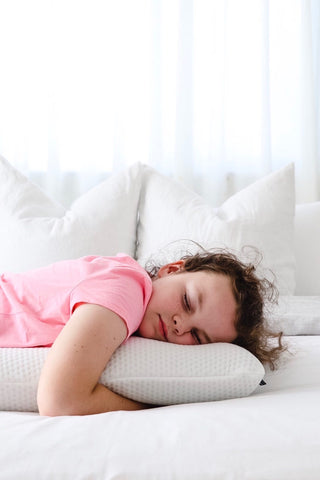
x=34, y=306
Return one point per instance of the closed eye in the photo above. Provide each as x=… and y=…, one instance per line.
x=186, y=302
x=195, y=336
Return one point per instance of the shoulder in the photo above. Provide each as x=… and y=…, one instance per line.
x=121, y=264
x=112, y=281
x=120, y=260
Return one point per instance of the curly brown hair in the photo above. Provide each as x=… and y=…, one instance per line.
x=251, y=294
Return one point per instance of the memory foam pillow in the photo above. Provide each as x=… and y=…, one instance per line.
x=145, y=370
x=261, y=215
x=36, y=231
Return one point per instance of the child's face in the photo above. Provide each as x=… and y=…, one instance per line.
x=190, y=307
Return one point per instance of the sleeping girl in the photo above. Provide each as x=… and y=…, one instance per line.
x=84, y=309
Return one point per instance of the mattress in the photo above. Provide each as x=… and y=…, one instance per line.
x=273, y=434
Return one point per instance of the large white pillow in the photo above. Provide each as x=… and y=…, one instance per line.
x=261, y=215
x=36, y=231
x=296, y=315
x=144, y=370
x=307, y=241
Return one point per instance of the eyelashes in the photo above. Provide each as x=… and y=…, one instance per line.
x=195, y=336
x=187, y=307
x=186, y=302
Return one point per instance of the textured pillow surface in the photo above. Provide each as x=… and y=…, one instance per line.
x=261, y=215
x=144, y=370
x=36, y=231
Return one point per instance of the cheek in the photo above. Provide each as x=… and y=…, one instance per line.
x=186, y=339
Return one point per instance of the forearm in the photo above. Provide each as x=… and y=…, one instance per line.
x=104, y=400
x=99, y=401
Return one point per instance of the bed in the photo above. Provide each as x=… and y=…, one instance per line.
x=271, y=434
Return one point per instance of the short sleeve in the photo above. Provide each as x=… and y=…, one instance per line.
x=121, y=285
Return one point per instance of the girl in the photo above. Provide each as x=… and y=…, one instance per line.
x=86, y=308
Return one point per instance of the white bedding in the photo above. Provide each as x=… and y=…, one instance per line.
x=272, y=435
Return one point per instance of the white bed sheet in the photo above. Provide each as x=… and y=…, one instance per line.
x=273, y=434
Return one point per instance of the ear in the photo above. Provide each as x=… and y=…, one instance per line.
x=173, y=267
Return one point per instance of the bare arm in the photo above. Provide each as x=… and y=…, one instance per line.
x=69, y=380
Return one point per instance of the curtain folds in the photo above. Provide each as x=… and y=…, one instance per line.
x=215, y=93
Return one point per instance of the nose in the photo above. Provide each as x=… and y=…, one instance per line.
x=179, y=325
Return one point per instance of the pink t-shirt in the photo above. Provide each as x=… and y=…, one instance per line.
x=35, y=305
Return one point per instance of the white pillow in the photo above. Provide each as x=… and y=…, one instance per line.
x=144, y=370
x=36, y=231
x=307, y=241
x=296, y=315
x=261, y=215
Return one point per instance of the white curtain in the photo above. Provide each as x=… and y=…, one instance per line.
x=215, y=93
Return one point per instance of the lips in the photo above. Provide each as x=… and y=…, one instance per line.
x=163, y=329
